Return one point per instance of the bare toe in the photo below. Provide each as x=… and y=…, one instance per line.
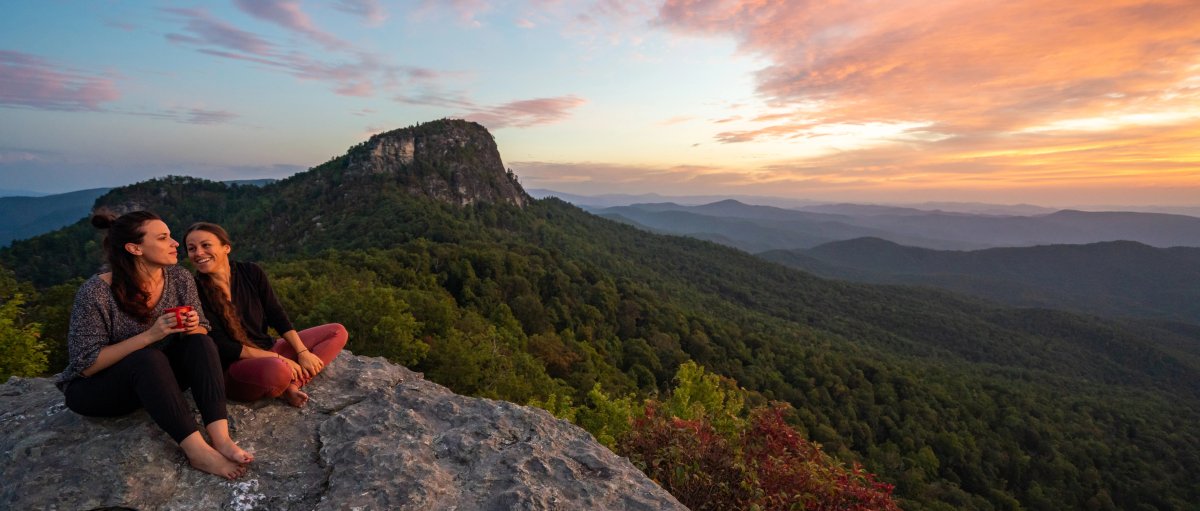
x=295, y=397
x=215, y=463
x=234, y=453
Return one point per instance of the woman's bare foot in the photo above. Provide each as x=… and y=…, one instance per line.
x=295, y=397
x=232, y=452
x=205, y=458
x=218, y=431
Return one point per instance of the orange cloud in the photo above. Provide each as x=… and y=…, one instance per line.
x=965, y=64
x=1020, y=93
x=527, y=112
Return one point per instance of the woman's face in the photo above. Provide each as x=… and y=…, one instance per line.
x=156, y=247
x=206, y=251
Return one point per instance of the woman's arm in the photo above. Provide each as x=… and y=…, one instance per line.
x=293, y=339
x=249, y=352
x=113, y=353
x=197, y=322
x=308, y=361
x=274, y=314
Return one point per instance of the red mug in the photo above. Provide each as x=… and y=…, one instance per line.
x=179, y=312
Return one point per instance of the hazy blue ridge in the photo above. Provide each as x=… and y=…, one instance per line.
x=760, y=228
x=1118, y=278
x=25, y=217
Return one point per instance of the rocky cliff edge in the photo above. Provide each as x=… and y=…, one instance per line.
x=374, y=435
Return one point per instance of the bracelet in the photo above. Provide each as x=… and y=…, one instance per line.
x=302, y=351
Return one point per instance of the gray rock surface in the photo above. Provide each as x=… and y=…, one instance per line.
x=373, y=436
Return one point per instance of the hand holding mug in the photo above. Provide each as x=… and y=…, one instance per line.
x=166, y=325
x=191, y=319
x=182, y=315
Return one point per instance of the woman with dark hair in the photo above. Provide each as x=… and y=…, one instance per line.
x=130, y=348
x=242, y=304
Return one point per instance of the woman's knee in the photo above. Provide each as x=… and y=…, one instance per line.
x=149, y=362
x=336, y=336
x=278, y=374
x=255, y=378
x=199, y=345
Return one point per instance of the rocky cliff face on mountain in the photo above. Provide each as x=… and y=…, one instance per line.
x=374, y=436
x=450, y=160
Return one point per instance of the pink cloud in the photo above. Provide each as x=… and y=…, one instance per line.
x=203, y=29
x=436, y=98
x=467, y=12
x=194, y=115
x=20, y=156
x=287, y=14
x=421, y=73
x=526, y=113
x=369, y=10
x=202, y=116
x=121, y=25
x=964, y=66
x=777, y=130
x=29, y=81
x=599, y=177
x=360, y=89
x=358, y=73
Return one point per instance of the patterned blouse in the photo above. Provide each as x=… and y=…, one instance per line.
x=96, y=321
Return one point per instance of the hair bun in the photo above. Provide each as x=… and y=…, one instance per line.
x=103, y=219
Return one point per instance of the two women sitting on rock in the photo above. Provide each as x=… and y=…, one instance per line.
x=139, y=337
x=241, y=305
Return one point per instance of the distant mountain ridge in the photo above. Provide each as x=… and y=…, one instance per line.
x=28, y=216
x=625, y=199
x=8, y=192
x=1117, y=278
x=760, y=228
x=974, y=208
x=25, y=217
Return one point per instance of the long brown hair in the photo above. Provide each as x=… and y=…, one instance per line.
x=221, y=306
x=127, y=290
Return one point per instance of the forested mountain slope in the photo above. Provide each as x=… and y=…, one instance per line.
x=1118, y=278
x=962, y=403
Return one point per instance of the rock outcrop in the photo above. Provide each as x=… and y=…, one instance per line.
x=374, y=436
x=449, y=160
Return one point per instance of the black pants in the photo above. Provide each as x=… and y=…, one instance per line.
x=155, y=379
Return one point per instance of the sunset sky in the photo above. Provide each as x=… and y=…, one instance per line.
x=1054, y=103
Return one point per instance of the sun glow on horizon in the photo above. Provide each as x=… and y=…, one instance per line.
x=1006, y=102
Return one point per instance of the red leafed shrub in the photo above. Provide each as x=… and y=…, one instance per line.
x=789, y=472
x=687, y=458
x=766, y=465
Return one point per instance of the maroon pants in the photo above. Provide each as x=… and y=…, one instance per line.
x=255, y=378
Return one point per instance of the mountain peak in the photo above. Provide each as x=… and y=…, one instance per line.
x=727, y=202
x=450, y=160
